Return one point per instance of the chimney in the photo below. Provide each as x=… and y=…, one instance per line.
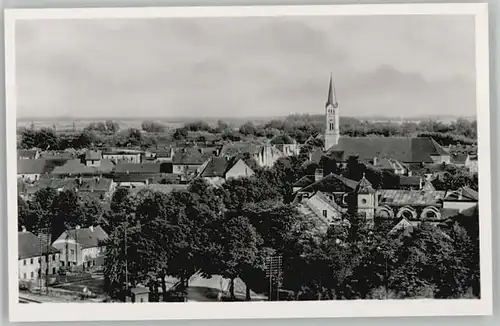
x=318, y=175
x=23, y=228
x=91, y=228
x=77, y=227
x=375, y=161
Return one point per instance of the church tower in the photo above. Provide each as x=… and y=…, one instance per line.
x=332, y=132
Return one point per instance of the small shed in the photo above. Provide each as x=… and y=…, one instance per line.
x=140, y=294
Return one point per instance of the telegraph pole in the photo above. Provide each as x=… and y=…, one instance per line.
x=274, y=267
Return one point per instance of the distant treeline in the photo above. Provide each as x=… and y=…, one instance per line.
x=298, y=127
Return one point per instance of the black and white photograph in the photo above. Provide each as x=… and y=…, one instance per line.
x=263, y=157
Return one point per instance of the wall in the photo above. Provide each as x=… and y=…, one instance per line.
x=29, y=177
x=460, y=205
x=70, y=252
x=29, y=266
x=318, y=205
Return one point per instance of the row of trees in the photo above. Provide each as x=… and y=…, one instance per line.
x=47, y=139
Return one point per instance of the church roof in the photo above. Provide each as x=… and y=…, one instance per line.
x=331, y=100
x=364, y=187
x=403, y=149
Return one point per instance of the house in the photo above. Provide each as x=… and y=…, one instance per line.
x=122, y=155
x=28, y=154
x=31, y=170
x=159, y=154
x=93, y=158
x=323, y=209
x=189, y=161
x=220, y=169
x=36, y=257
x=461, y=199
x=82, y=247
x=75, y=167
x=389, y=165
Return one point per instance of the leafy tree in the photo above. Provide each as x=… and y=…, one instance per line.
x=152, y=126
x=112, y=126
x=248, y=128
x=180, y=134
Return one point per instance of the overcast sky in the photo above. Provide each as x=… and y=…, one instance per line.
x=235, y=67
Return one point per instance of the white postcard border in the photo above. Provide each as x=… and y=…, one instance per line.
x=258, y=310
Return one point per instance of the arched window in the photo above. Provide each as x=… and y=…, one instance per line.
x=407, y=212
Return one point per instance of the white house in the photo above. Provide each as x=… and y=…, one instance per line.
x=82, y=248
x=31, y=170
x=36, y=257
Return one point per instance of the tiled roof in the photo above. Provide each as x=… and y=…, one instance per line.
x=137, y=168
x=142, y=177
x=74, y=167
x=304, y=181
x=190, y=156
x=38, y=166
x=92, y=155
x=404, y=149
x=394, y=197
x=216, y=167
x=86, y=237
x=29, y=245
x=332, y=183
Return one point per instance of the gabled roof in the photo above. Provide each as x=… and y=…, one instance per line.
x=137, y=168
x=190, y=156
x=428, y=186
x=29, y=245
x=403, y=149
x=86, y=237
x=216, y=167
x=92, y=155
x=463, y=194
x=330, y=202
x=75, y=167
x=332, y=183
x=38, y=166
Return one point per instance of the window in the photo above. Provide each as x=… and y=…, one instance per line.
x=62, y=263
x=31, y=261
x=72, y=251
x=53, y=257
x=363, y=201
x=325, y=213
x=53, y=270
x=24, y=275
x=93, y=263
x=24, y=262
x=142, y=299
x=47, y=258
x=31, y=274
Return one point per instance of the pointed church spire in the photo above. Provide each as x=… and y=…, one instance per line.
x=332, y=98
